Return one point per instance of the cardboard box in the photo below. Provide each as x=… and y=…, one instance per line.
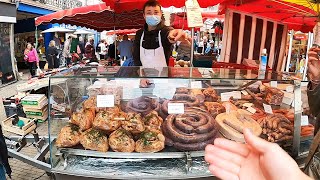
x=27, y=128
x=36, y=112
x=34, y=101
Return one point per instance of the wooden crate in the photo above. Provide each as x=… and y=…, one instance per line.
x=26, y=129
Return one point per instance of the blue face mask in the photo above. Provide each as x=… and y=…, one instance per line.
x=153, y=20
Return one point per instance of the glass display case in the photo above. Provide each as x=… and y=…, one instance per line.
x=128, y=122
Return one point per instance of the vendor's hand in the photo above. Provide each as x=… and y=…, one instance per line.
x=144, y=83
x=258, y=159
x=177, y=35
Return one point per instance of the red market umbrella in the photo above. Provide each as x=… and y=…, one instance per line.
x=128, y=5
x=99, y=17
x=179, y=20
x=122, y=32
x=296, y=16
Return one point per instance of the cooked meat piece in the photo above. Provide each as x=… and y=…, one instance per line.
x=133, y=123
x=121, y=141
x=90, y=103
x=95, y=139
x=83, y=119
x=69, y=136
x=153, y=120
x=150, y=141
x=210, y=94
x=109, y=120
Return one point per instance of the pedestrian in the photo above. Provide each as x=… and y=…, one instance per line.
x=80, y=48
x=32, y=59
x=102, y=49
x=52, y=53
x=66, y=50
x=90, y=51
x=125, y=47
x=4, y=163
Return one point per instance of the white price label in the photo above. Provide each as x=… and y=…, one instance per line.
x=105, y=101
x=274, y=84
x=175, y=108
x=267, y=108
x=228, y=108
x=247, y=105
x=289, y=89
x=196, y=84
x=244, y=92
x=194, y=16
x=304, y=120
x=252, y=110
x=288, y=98
x=226, y=96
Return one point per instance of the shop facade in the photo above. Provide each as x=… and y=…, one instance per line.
x=7, y=21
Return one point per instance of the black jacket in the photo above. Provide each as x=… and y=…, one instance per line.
x=4, y=153
x=81, y=46
x=151, y=41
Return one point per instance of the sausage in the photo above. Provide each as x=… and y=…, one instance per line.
x=190, y=131
x=143, y=105
x=188, y=100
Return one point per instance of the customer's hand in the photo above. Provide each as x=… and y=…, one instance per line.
x=144, y=83
x=258, y=159
x=177, y=35
x=313, y=64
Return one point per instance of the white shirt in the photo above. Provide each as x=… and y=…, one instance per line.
x=103, y=49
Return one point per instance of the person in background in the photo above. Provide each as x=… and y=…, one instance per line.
x=51, y=55
x=314, y=84
x=111, y=51
x=90, y=51
x=125, y=47
x=81, y=49
x=203, y=45
x=153, y=43
x=211, y=50
x=66, y=50
x=31, y=57
x=4, y=163
x=102, y=49
x=257, y=159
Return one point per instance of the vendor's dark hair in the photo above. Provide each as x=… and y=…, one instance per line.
x=152, y=3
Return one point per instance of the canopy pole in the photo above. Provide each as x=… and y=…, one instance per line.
x=192, y=51
x=289, y=51
x=310, y=42
x=115, y=43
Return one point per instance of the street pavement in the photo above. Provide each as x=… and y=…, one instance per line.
x=20, y=170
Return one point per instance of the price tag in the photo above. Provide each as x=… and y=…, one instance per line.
x=289, y=89
x=247, y=105
x=288, y=98
x=274, y=84
x=194, y=16
x=196, y=85
x=175, y=108
x=105, y=100
x=252, y=110
x=304, y=120
x=244, y=92
x=267, y=108
x=226, y=96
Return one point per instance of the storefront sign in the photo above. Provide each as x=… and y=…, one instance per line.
x=299, y=37
x=64, y=4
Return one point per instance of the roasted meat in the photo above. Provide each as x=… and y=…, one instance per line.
x=90, y=103
x=121, y=141
x=69, y=136
x=95, y=139
x=83, y=119
x=109, y=120
x=133, y=123
x=150, y=141
x=153, y=120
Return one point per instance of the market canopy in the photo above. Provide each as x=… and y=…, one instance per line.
x=296, y=16
x=99, y=17
x=129, y=5
x=58, y=29
x=179, y=20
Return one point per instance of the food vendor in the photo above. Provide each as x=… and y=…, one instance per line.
x=153, y=43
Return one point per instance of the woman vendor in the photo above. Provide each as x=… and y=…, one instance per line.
x=153, y=43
